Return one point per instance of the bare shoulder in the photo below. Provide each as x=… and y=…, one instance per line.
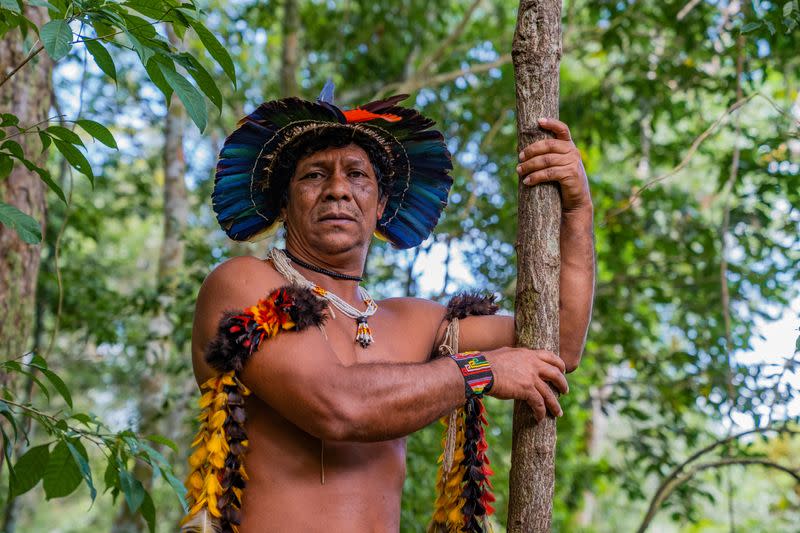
x=235, y=284
x=242, y=271
x=415, y=309
x=424, y=317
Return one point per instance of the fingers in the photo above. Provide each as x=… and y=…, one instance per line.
x=549, y=398
x=539, y=162
x=557, y=378
x=545, y=146
x=551, y=358
x=560, y=129
x=550, y=174
x=537, y=405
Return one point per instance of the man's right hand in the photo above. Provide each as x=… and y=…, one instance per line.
x=524, y=374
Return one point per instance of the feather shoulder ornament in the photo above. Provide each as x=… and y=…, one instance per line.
x=463, y=488
x=217, y=474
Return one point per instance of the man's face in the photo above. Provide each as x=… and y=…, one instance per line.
x=334, y=203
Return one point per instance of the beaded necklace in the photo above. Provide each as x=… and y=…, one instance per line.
x=320, y=270
x=363, y=332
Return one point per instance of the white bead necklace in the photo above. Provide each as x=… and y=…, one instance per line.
x=363, y=332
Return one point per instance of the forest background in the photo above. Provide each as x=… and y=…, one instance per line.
x=688, y=118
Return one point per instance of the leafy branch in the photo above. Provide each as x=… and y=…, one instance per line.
x=62, y=463
x=680, y=474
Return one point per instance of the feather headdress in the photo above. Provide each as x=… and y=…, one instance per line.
x=247, y=190
x=217, y=474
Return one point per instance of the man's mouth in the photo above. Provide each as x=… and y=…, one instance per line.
x=337, y=216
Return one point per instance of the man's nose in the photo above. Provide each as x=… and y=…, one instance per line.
x=338, y=186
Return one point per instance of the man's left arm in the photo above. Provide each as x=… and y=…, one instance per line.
x=559, y=160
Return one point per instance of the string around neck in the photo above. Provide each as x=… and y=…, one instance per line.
x=320, y=270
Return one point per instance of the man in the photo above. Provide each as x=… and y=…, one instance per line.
x=328, y=414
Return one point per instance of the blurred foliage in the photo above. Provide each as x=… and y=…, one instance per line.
x=647, y=89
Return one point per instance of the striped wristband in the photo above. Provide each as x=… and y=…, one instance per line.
x=478, y=377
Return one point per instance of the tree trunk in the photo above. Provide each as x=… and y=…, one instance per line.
x=27, y=95
x=160, y=348
x=289, y=60
x=536, y=53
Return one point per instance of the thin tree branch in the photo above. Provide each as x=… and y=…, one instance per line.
x=745, y=461
x=660, y=495
x=440, y=79
x=686, y=9
x=458, y=30
x=692, y=149
x=38, y=47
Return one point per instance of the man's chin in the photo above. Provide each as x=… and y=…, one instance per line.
x=334, y=244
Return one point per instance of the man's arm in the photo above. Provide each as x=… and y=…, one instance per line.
x=554, y=160
x=299, y=375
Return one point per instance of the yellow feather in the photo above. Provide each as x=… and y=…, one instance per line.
x=201, y=522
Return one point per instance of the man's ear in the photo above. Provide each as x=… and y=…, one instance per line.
x=384, y=198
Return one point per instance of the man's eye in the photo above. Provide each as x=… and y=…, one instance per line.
x=357, y=173
x=313, y=175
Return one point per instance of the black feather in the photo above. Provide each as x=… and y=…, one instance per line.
x=470, y=304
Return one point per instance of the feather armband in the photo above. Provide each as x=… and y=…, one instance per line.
x=463, y=488
x=217, y=475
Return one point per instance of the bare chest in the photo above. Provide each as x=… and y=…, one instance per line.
x=397, y=339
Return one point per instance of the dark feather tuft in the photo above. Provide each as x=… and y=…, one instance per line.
x=239, y=334
x=308, y=310
x=470, y=304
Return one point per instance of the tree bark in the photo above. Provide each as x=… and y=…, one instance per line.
x=536, y=52
x=27, y=95
x=159, y=348
x=290, y=53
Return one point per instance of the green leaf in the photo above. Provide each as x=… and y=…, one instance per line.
x=132, y=488
x=10, y=5
x=48, y=179
x=157, y=77
x=177, y=486
x=43, y=3
x=99, y=132
x=144, y=52
x=788, y=7
x=215, y=48
x=111, y=475
x=192, y=98
x=163, y=440
x=203, y=79
x=155, y=9
x=56, y=36
x=154, y=455
x=64, y=134
x=25, y=225
x=102, y=58
x=102, y=29
x=45, y=138
x=82, y=458
x=58, y=383
x=148, y=511
x=75, y=158
x=29, y=470
x=8, y=445
x=8, y=414
x=750, y=26
x=14, y=148
x=6, y=165
x=8, y=119
x=83, y=418
x=62, y=474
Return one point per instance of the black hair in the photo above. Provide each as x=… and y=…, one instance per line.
x=321, y=139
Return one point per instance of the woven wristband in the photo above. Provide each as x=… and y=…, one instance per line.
x=478, y=377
